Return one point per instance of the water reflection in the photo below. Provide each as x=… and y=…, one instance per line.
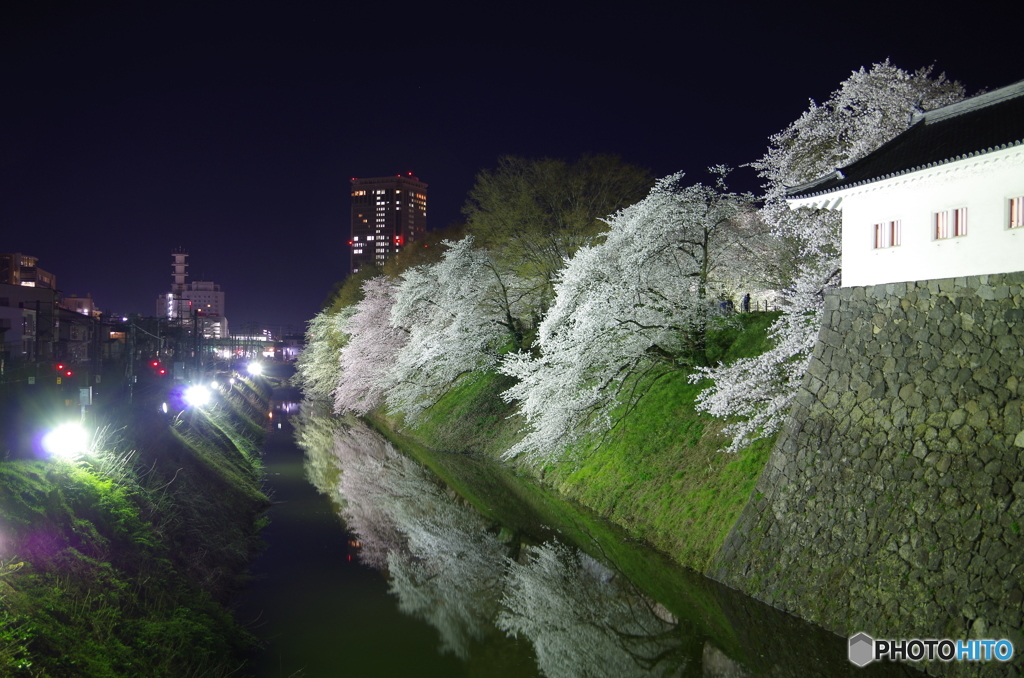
x=473, y=580
x=448, y=567
x=582, y=621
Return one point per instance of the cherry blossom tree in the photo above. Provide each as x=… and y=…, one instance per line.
x=316, y=369
x=457, y=314
x=362, y=375
x=627, y=311
x=870, y=107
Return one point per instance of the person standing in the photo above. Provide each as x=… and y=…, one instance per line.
x=746, y=302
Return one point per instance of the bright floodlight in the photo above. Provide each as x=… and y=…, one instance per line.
x=197, y=395
x=67, y=441
x=255, y=369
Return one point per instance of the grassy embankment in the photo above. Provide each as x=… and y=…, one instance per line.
x=658, y=474
x=119, y=564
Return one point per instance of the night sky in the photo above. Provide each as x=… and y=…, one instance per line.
x=232, y=128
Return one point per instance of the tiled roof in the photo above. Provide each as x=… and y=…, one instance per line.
x=975, y=126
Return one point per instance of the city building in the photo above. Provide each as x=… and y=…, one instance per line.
x=17, y=334
x=200, y=301
x=28, y=322
x=945, y=199
x=387, y=213
x=20, y=269
x=85, y=306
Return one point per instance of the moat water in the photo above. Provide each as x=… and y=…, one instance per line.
x=375, y=567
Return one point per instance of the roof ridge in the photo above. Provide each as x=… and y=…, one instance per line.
x=971, y=104
x=798, y=191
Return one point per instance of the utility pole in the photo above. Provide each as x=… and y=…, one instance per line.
x=131, y=359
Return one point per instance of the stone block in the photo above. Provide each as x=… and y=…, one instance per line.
x=985, y=292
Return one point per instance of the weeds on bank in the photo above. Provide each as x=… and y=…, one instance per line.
x=124, y=557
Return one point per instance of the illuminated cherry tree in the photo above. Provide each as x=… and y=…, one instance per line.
x=457, y=315
x=362, y=376
x=869, y=108
x=627, y=311
x=316, y=368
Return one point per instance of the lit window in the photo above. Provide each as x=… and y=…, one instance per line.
x=1017, y=212
x=887, y=234
x=951, y=223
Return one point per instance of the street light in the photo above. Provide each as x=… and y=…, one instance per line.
x=67, y=441
x=255, y=369
x=197, y=395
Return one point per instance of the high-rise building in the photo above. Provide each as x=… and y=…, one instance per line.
x=387, y=213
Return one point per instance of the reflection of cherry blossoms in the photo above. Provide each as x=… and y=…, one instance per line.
x=314, y=433
x=445, y=567
x=582, y=622
x=448, y=569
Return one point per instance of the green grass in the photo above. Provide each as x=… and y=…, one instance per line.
x=661, y=476
x=471, y=417
x=658, y=474
x=120, y=564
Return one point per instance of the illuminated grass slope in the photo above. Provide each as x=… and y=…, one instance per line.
x=658, y=474
x=120, y=565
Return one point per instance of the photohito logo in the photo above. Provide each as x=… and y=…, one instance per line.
x=864, y=649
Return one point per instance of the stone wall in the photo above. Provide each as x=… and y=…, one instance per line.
x=893, y=502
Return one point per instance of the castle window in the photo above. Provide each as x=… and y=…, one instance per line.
x=887, y=234
x=1016, y=212
x=950, y=223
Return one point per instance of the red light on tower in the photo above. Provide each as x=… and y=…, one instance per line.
x=60, y=366
x=68, y=373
